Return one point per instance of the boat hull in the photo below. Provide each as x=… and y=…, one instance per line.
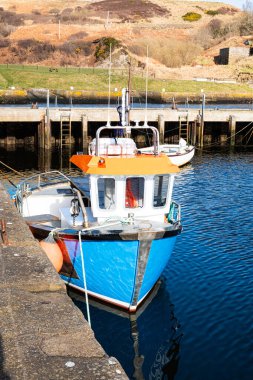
x=121, y=272
x=178, y=156
x=182, y=158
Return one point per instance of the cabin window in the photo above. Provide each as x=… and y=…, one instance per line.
x=134, y=196
x=106, y=193
x=160, y=190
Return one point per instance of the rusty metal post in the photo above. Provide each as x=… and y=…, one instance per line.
x=3, y=232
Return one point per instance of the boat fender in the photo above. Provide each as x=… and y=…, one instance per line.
x=170, y=215
x=53, y=252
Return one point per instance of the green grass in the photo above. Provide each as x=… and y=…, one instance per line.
x=93, y=79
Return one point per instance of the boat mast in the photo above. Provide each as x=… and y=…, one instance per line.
x=146, y=92
x=128, y=94
x=109, y=87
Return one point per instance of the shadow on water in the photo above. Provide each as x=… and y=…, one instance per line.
x=3, y=374
x=26, y=160
x=146, y=343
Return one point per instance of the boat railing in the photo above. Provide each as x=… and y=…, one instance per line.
x=128, y=129
x=37, y=181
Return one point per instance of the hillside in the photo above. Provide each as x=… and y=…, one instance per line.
x=60, y=33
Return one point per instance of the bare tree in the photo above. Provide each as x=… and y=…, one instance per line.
x=246, y=26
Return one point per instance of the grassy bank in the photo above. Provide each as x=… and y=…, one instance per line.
x=93, y=79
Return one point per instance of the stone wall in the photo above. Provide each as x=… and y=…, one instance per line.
x=232, y=54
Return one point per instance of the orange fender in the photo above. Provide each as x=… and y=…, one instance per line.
x=54, y=253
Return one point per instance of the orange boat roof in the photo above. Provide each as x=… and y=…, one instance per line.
x=125, y=165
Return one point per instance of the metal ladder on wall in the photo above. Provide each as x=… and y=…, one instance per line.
x=184, y=127
x=65, y=130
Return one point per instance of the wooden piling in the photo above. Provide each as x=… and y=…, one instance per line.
x=41, y=134
x=201, y=131
x=232, y=129
x=47, y=132
x=193, y=132
x=161, y=128
x=84, y=133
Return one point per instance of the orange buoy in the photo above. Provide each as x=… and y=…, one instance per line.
x=53, y=252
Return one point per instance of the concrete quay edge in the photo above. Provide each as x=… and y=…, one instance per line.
x=43, y=335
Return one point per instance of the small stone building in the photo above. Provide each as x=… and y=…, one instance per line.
x=232, y=54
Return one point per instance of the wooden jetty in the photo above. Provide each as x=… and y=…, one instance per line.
x=45, y=127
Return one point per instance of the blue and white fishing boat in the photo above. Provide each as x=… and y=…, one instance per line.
x=111, y=233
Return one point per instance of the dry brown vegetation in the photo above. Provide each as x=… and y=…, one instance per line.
x=60, y=33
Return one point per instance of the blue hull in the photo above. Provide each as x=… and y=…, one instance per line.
x=117, y=271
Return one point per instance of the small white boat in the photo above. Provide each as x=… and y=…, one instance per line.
x=179, y=154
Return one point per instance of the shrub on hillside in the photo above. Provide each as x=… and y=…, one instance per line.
x=77, y=47
x=36, y=12
x=5, y=29
x=246, y=23
x=66, y=11
x=220, y=30
x=78, y=9
x=77, y=15
x=191, y=16
x=28, y=43
x=102, y=50
x=171, y=53
x=215, y=32
x=215, y=27
x=211, y=12
x=33, y=50
x=67, y=48
x=77, y=36
x=4, y=43
x=227, y=11
x=10, y=18
x=54, y=11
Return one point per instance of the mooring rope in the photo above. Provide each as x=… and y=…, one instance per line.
x=229, y=137
x=13, y=170
x=206, y=145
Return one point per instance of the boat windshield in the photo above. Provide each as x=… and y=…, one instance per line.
x=106, y=193
x=134, y=196
x=160, y=190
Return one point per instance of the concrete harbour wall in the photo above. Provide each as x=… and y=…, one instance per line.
x=43, y=335
x=41, y=127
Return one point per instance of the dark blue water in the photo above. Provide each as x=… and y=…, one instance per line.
x=180, y=106
x=207, y=287
x=199, y=326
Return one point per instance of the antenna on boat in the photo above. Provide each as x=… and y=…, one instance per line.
x=109, y=88
x=146, y=93
x=128, y=94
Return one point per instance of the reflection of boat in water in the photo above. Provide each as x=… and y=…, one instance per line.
x=146, y=343
x=114, y=233
x=179, y=154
